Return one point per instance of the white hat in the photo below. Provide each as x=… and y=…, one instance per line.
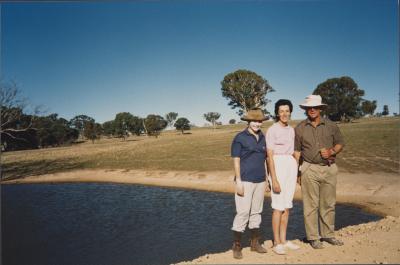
x=312, y=101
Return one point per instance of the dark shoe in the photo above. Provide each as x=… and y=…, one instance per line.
x=237, y=250
x=256, y=246
x=316, y=244
x=255, y=243
x=333, y=241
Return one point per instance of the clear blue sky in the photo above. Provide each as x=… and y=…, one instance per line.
x=153, y=57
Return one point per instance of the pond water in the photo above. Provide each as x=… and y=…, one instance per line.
x=126, y=224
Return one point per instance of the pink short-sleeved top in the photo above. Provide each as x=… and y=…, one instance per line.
x=280, y=139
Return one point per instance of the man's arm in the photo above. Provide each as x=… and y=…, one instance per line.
x=297, y=152
x=331, y=152
x=338, y=144
x=297, y=155
x=336, y=149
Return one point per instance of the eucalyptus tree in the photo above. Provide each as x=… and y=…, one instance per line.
x=342, y=96
x=171, y=117
x=368, y=107
x=246, y=90
x=212, y=117
x=182, y=124
x=154, y=124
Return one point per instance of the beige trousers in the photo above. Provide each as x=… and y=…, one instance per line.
x=249, y=206
x=318, y=186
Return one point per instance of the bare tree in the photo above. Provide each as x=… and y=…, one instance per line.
x=12, y=117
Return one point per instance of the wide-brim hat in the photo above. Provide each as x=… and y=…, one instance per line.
x=312, y=101
x=254, y=115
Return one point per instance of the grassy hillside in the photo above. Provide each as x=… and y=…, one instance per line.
x=372, y=145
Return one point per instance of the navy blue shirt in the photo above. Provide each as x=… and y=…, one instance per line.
x=252, y=155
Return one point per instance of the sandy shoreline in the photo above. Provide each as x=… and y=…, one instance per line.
x=375, y=242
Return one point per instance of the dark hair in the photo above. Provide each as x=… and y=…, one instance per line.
x=282, y=102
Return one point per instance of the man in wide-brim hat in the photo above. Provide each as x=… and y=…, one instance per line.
x=249, y=154
x=313, y=101
x=317, y=142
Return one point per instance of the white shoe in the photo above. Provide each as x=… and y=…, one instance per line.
x=279, y=249
x=290, y=245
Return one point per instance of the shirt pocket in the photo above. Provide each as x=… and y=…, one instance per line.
x=260, y=148
x=328, y=139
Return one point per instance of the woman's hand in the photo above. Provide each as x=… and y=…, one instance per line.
x=276, y=187
x=239, y=188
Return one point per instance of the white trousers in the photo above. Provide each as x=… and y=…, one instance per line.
x=286, y=173
x=249, y=206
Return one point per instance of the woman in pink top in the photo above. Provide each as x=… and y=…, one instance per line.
x=282, y=168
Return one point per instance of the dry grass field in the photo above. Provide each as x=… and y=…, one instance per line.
x=372, y=145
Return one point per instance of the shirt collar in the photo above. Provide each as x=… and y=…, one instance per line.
x=248, y=133
x=322, y=121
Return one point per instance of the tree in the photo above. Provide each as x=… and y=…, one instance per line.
x=171, y=117
x=78, y=122
x=154, y=124
x=13, y=122
x=385, y=111
x=136, y=125
x=54, y=131
x=92, y=130
x=109, y=128
x=342, y=96
x=20, y=131
x=368, y=107
x=245, y=90
x=122, y=123
x=182, y=124
x=232, y=121
x=212, y=117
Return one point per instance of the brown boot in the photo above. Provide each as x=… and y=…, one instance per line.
x=254, y=243
x=237, y=247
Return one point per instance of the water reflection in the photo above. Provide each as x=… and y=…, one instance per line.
x=125, y=224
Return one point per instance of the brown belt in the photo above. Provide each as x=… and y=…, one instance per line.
x=322, y=164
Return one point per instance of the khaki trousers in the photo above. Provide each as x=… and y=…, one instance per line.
x=318, y=187
x=249, y=206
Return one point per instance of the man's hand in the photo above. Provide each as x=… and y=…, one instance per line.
x=299, y=180
x=276, y=187
x=299, y=177
x=326, y=153
x=239, y=188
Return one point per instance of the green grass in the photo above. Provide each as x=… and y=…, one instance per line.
x=372, y=145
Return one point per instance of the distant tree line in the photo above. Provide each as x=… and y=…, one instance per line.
x=244, y=89
x=20, y=130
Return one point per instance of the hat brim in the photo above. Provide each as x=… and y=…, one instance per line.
x=313, y=106
x=247, y=119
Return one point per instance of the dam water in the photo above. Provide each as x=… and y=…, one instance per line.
x=127, y=224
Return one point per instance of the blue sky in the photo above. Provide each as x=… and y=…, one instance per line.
x=153, y=57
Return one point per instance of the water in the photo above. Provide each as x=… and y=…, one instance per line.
x=126, y=224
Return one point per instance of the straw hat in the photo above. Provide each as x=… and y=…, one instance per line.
x=254, y=115
x=312, y=101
